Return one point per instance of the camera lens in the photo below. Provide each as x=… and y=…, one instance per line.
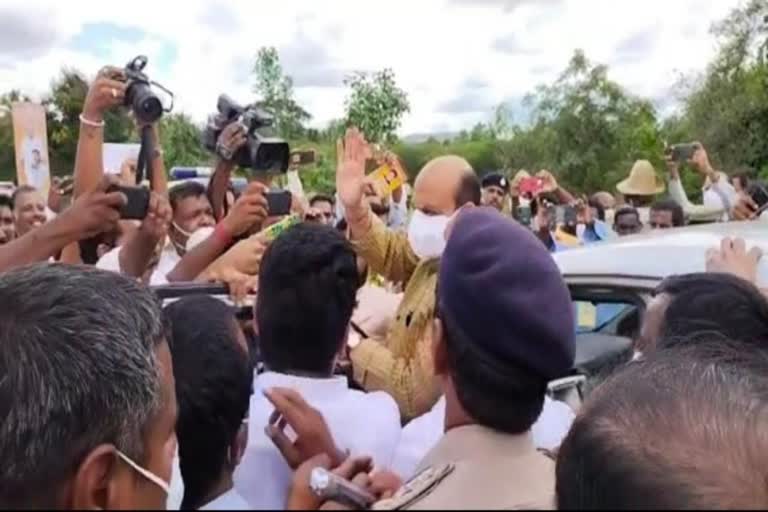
x=146, y=106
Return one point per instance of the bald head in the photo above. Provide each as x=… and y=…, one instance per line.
x=604, y=199
x=444, y=185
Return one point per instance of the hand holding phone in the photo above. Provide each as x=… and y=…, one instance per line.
x=137, y=206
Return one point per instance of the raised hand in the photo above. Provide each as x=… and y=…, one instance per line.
x=106, y=92
x=733, y=258
x=155, y=224
x=249, y=210
x=313, y=437
x=350, y=173
x=94, y=212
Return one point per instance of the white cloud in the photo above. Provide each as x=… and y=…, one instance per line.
x=440, y=49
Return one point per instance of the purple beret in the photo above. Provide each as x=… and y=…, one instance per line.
x=501, y=287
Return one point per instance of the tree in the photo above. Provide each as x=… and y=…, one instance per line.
x=276, y=92
x=727, y=107
x=63, y=107
x=180, y=139
x=586, y=128
x=376, y=104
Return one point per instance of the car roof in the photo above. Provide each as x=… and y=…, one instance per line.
x=662, y=253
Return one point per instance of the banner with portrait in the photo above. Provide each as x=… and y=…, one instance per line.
x=31, y=145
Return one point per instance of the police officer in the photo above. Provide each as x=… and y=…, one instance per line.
x=495, y=189
x=504, y=329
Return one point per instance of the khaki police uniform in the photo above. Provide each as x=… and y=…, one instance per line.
x=474, y=467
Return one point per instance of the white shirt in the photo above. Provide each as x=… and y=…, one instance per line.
x=423, y=433
x=713, y=199
x=230, y=500
x=169, y=258
x=364, y=424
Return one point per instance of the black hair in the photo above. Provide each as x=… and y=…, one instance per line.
x=704, y=303
x=321, y=198
x=78, y=369
x=184, y=190
x=6, y=201
x=502, y=396
x=469, y=190
x=679, y=429
x=308, y=284
x=214, y=381
x=24, y=189
x=670, y=205
x=744, y=174
x=626, y=210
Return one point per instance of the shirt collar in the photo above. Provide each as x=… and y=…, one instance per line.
x=477, y=441
x=304, y=385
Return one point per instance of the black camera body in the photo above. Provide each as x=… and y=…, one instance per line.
x=139, y=97
x=262, y=151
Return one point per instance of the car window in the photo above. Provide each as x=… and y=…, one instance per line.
x=600, y=316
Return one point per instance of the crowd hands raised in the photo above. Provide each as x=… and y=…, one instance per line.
x=384, y=367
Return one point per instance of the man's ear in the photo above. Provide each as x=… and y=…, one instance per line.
x=238, y=447
x=99, y=484
x=439, y=354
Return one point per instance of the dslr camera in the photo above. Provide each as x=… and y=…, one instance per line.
x=262, y=151
x=139, y=97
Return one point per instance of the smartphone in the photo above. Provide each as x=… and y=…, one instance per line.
x=531, y=186
x=683, y=152
x=303, y=157
x=758, y=193
x=278, y=203
x=524, y=215
x=138, y=202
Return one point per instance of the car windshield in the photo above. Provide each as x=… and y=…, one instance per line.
x=594, y=316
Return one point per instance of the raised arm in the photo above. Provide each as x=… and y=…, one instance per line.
x=92, y=213
x=232, y=138
x=386, y=252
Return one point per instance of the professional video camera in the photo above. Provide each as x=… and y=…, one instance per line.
x=262, y=151
x=146, y=105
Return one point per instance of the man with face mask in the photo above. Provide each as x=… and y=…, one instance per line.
x=402, y=364
x=90, y=421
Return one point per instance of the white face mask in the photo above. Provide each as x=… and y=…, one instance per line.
x=198, y=237
x=176, y=491
x=426, y=234
x=162, y=484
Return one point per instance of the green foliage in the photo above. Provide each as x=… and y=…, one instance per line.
x=180, y=139
x=376, y=104
x=276, y=91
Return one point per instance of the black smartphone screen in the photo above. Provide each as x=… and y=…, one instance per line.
x=138, y=202
x=278, y=203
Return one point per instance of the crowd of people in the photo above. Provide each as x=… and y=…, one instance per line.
x=399, y=352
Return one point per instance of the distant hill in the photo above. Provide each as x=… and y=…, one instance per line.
x=417, y=138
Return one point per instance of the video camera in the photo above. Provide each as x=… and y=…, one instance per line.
x=139, y=97
x=262, y=151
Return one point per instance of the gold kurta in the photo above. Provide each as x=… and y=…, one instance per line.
x=401, y=364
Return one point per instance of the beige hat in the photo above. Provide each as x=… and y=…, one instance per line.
x=642, y=181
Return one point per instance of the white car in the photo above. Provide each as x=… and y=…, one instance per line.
x=612, y=282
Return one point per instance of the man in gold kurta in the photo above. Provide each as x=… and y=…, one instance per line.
x=401, y=364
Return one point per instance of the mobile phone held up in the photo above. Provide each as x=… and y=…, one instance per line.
x=137, y=206
x=531, y=186
x=303, y=157
x=278, y=203
x=683, y=152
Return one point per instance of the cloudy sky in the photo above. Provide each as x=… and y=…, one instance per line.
x=457, y=59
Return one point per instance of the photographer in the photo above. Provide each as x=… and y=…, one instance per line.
x=107, y=92
x=720, y=197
